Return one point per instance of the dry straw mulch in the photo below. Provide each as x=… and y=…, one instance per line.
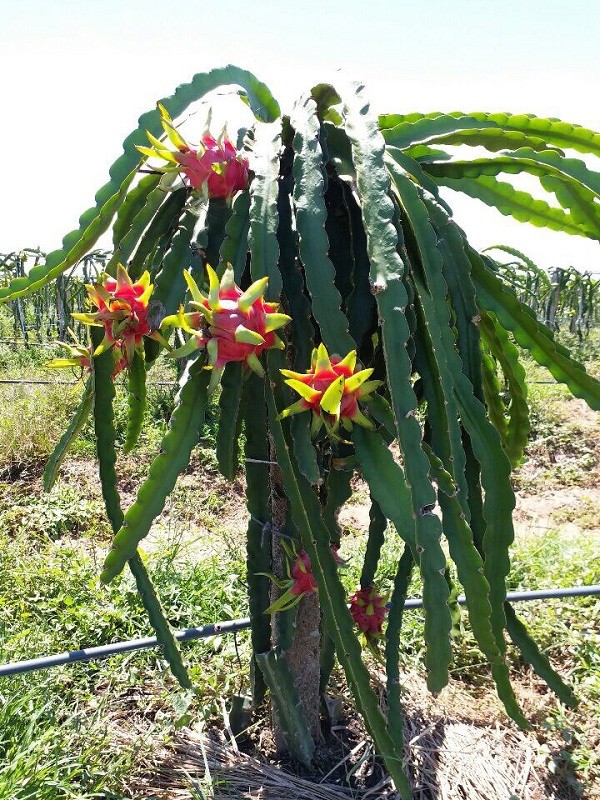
x=470, y=755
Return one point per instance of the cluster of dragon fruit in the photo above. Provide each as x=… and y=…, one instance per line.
x=231, y=325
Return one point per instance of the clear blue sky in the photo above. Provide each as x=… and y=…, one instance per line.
x=77, y=74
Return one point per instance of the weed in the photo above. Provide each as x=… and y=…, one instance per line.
x=25, y=442
x=47, y=754
x=63, y=512
x=563, y=447
x=586, y=349
x=57, y=739
x=586, y=514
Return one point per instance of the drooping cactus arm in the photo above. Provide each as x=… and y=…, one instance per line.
x=389, y=487
x=234, y=249
x=499, y=501
x=391, y=296
x=531, y=334
x=77, y=422
x=516, y=431
x=338, y=488
x=375, y=540
x=361, y=305
x=574, y=186
x=157, y=237
x=264, y=191
x=170, y=285
x=395, y=714
x=309, y=202
x=492, y=393
x=258, y=551
x=284, y=693
x=404, y=129
x=456, y=269
x=136, y=396
x=302, y=333
x=538, y=660
x=94, y=222
x=104, y=393
x=230, y=419
x=315, y=539
x=212, y=237
x=138, y=210
x=438, y=384
x=176, y=448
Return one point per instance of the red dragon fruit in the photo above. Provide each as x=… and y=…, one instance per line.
x=331, y=389
x=215, y=167
x=368, y=611
x=79, y=356
x=123, y=313
x=230, y=324
x=301, y=581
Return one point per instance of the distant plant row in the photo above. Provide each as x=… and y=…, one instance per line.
x=564, y=299
x=46, y=315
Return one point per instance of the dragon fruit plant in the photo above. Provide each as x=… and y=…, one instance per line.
x=393, y=330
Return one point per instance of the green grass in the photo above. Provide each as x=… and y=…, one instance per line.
x=34, y=416
x=586, y=350
x=48, y=752
x=60, y=728
x=563, y=449
x=32, y=421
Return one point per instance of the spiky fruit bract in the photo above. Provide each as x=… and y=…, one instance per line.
x=300, y=582
x=331, y=389
x=77, y=356
x=123, y=307
x=230, y=324
x=215, y=167
x=368, y=611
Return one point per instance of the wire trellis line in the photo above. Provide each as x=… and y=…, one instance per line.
x=27, y=381
x=36, y=382
x=21, y=343
x=231, y=626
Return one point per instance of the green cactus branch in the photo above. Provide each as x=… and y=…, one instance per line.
x=177, y=445
x=315, y=539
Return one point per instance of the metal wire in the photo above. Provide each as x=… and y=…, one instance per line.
x=35, y=382
x=231, y=626
x=24, y=381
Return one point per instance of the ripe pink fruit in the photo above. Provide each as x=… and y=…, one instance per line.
x=368, y=611
x=301, y=581
x=331, y=389
x=123, y=313
x=230, y=324
x=216, y=166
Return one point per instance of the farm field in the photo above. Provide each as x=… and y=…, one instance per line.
x=109, y=729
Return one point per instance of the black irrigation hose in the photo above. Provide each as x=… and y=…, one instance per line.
x=230, y=626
